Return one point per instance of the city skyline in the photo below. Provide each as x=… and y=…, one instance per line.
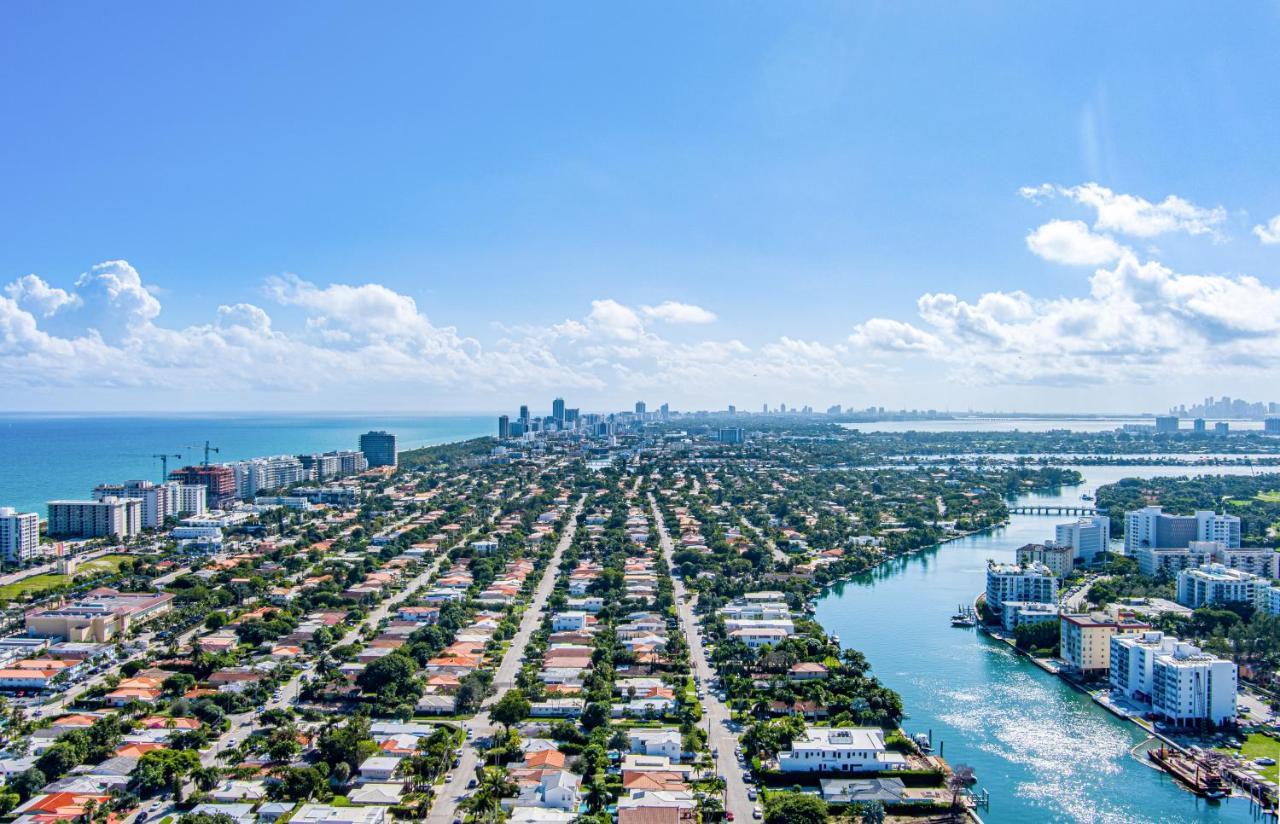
x=326, y=225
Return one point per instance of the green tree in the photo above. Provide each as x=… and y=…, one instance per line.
x=511, y=708
x=795, y=808
x=158, y=770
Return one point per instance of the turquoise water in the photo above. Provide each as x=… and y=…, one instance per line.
x=50, y=457
x=1045, y=751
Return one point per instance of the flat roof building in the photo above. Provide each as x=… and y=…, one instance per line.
x=101, y=615
x=108, y=518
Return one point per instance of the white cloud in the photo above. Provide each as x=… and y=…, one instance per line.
x=368, y=346
x=1133, y=215
x=1073, y=243
x=32, y=291
x=1269, y=233
x=671, y=311
x=613, y=320
x=893, y=336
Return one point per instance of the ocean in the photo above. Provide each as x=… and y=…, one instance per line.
x=48, y=457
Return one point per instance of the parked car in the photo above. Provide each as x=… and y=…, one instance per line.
x=757, y=813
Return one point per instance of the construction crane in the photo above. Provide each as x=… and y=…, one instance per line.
x=164, y=464
x=207, y=450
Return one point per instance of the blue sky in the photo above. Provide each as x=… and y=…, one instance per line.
x=515, y=183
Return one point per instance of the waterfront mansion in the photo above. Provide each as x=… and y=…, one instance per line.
x=844, y=749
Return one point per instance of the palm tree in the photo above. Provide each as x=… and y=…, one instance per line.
x=206, y=778
x=486, y=801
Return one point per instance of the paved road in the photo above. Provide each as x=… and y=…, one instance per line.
x=448, y=795
x=1075, y=601
x=722, y=739
x=242, y=724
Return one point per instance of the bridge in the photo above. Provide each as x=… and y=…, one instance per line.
x=1056, y=510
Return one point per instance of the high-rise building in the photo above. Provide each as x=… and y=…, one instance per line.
x=19, y=535
x=155, y=499
x=504, y=427
x=192, y=500
x=379, y=448
x=109, y=517
x=1089, y=537
x=1197, y=425
x=1218, y=584
x=1182, y=683
x=732, y=434
x=557, y=410
x=1189, y=686
x=524, y=416
x=1166, y=423
x=1271, y=426
x=1222, y=429
x=733, y=410
x=640, y=407
x=1015, y=582
x=665, y=411
x=258, y=474
x=219, y=483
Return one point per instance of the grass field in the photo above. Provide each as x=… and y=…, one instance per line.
x=1271, y=496
x=37, y=584
x=31, y=586
x=1258, y=745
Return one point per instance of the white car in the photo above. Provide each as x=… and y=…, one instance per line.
x=756, y=812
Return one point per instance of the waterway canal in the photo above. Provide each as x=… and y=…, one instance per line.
x=1045, y=751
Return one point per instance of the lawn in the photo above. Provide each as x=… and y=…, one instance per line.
x=37, y=584
x=31, y=586
x=107, y=563
x=1271, y=496
x=1258, y=745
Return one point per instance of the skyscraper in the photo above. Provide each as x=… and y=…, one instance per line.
x=557, y=410
x=524, y=415
x=19, y=535
x=640, y=408
x=379, y=448
x=504, y=427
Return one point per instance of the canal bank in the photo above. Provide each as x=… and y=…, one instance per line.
x=1045, y=751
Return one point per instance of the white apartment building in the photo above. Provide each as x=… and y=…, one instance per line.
x=1151, y=527
x=19, y=535
x=1217, y=584
x=114, y=517
x=259, y=474
x=156, y=499
x=840, y=749
x=1060, y=559
x=1019, y=582
x=1189, y=686
x=192, y=500
x=1133, y=656
x=1089, y=537
x=1017, y=613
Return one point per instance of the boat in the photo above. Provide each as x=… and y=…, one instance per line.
x=1086, y=497
x=964, y=617
x=923, y=741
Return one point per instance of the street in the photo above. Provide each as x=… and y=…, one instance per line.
x=450, y=794
x=722, y=740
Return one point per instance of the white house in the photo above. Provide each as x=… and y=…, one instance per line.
x=655, y=742
x=325, y=814
x=569, y=621
x=379, y=768
x=845, y=749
